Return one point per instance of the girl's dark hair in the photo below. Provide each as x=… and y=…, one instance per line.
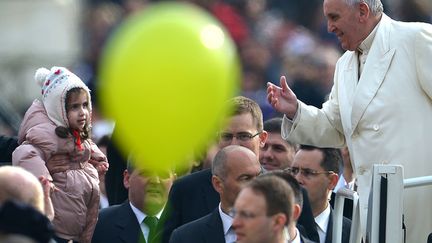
x=65, y=132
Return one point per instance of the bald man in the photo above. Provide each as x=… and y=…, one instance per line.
x=24, y=212
x=20, y=185
x=232, y=167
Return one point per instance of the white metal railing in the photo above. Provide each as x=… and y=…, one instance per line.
x=341, y=194
x=393, y=211
x=394, y=185
x=418, y=181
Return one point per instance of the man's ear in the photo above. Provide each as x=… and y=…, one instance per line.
x=217, y=183
x=263, y=138
x=334, y=178
x=280, y=221
x=296, y=211
x=364, y=11
x=126, y=178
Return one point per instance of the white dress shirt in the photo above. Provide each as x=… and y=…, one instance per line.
x=364, y=48
x=322, y=222
x=227, y=221
x=140, y=217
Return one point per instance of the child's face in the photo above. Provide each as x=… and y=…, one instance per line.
x=78, y=110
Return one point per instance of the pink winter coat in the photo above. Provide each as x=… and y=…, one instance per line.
x=76, y=195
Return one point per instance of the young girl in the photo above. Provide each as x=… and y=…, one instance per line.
x=55, y=145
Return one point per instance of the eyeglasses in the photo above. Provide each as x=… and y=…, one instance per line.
x=242, y=136
x=242, y=214
x=247, y=215
x=306, y=172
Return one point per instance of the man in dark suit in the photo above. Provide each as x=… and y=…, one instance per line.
x=135, y=220
x=301, y=207
x=232, y=167
x=193, y=196
x=317, y=170
x=264, y=210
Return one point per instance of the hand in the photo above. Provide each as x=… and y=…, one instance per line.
x=101, y=167
x=282, y=98
x=48, y=187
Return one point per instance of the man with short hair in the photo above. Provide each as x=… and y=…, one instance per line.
x=277, y=153
x=263, y=210
x=232, y=167
x=317, y=170
x=136, y=219
x=193, y=196
x=298, y=233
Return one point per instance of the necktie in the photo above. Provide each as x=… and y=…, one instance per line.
x=151, y=222
x=230, y=235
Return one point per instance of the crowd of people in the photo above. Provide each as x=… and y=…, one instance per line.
x=272, y=172
x=199, y=207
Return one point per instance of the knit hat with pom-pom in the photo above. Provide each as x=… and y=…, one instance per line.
x=55, y=84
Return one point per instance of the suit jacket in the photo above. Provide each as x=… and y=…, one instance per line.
x=208, y=229
x=306, y=221
x=190, y=198
x=346, y=229
x=306, y=240
x=118, y=223
x=381, y=116
x=193, y=196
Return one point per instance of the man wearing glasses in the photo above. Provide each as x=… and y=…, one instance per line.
x=193, y=196
x=317, y=170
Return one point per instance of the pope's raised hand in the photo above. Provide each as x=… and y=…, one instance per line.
x=282, y=98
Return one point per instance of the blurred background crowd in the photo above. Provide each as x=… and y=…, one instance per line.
x=273, y=37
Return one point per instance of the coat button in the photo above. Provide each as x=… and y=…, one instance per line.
x=376, y=127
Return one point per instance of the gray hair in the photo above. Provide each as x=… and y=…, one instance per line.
x=218, y=167
x=375, y=6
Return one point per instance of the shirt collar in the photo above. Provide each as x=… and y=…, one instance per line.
x=297, y=238
x=226, y=220
x=366, y=44
x=322, y=219
x=141, y=215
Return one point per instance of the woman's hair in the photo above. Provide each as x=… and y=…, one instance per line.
x=64, y=132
